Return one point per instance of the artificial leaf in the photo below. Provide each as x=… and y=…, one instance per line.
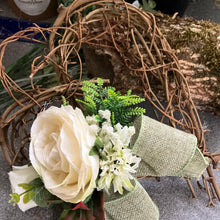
x=37, y=182
x=87, y=199
x=80, y=205
x=42, y=196
x=149, y=5
x=93, y=210
x=152, y=4
x=26, y=186
x=98, y=118
x=93, y=151
x=28, y=196
x=67, y=205
x=98, y=143
x=64, y=214
x=103, y=157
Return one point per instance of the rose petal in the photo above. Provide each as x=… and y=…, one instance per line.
x=60, y=146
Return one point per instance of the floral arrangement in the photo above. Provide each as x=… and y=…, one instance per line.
x=75, y=156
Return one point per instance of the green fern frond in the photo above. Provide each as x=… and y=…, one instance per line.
x=113, y=118
x=90, y=107
x=89, y=91
x=89, y=84
x=135, y=111
x=125, y=119
x=128, y=101
x=110, y=88
x=112, y=95
x=129, y=92
x=97, y=97
x=105, y=90
x=97, y=100
x=100, y=83
x=89, y=100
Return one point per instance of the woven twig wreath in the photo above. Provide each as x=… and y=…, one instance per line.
x=137, y=51
x=139, y=57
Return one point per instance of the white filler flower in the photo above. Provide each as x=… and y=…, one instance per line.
x=117, y=169
x=60, y=143
x=120, y=164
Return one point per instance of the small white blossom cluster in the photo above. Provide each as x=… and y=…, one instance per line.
x=119, y=163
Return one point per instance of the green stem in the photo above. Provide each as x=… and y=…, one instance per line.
x=27, y=191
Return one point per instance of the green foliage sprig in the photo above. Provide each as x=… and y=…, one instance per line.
x=35, y=191
x=122, y=107
x=149, y=5
x=65, y=103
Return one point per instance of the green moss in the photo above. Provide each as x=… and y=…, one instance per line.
x=196, y=37
x=203, y=42
x=210, y=55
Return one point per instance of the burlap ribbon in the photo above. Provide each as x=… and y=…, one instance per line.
x=136, y=204
x=166, y=151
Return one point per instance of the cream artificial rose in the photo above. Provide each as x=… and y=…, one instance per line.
x=18, y=175
x=59, y=151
